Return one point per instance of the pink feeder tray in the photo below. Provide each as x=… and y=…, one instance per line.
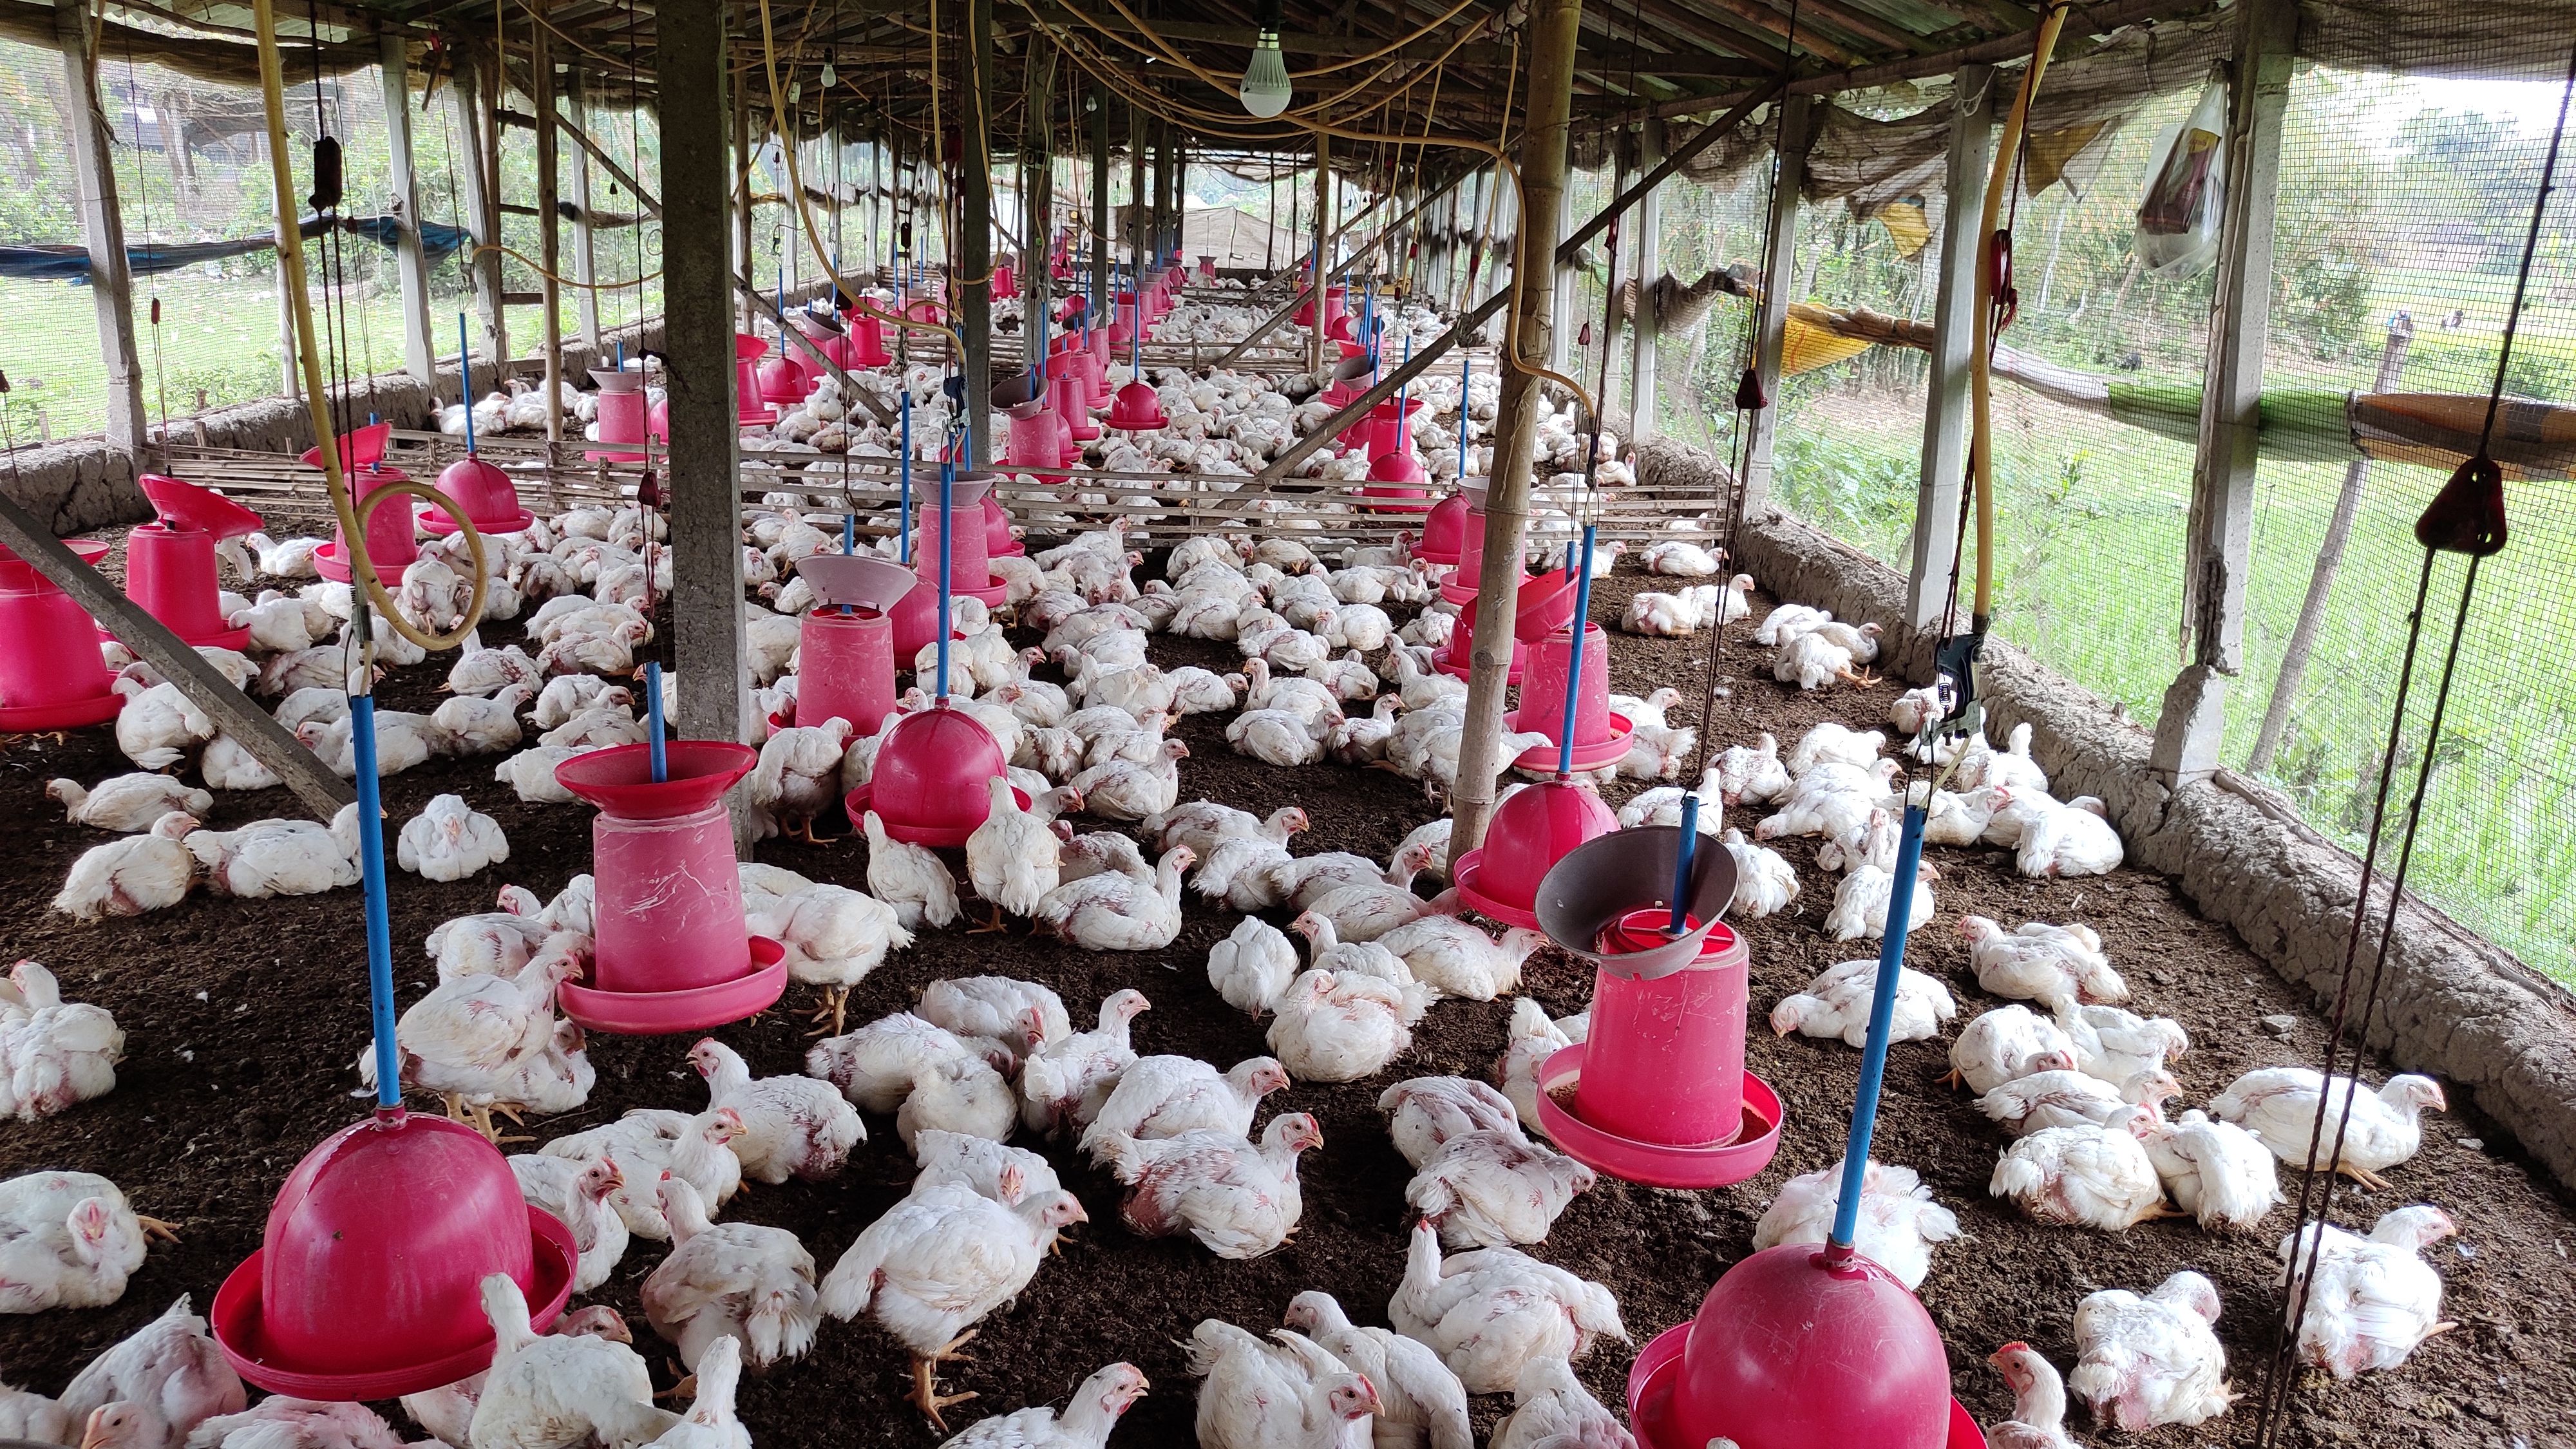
x=1657, y=1164
x=390, y=539
x=1444, y=530
x=930, y=785
x=50, y=674
x=1456, y=657
x=407, y=1215
x=748, y=352
x=364, y=448
x=1658, y=1368
x=623, y=416
x=170, y=562
x=485, y=493
x=1529, y=833
x=672, y=954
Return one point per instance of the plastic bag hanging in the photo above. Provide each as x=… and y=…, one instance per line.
x=2177, y=233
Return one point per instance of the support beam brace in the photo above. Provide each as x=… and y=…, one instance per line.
x=1954, y=346
x=2220, y=537
x=234, y=712
x=1772, y=322
x=1710, y=135
x=1358, y=407
x=1385, y=234
x=762, y=304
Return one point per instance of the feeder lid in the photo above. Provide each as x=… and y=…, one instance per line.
x=186, y=505
x=619, y=779
x=1601, y=880
x=869, y=583
x=1021, y=388
x=748, y=348
x=966, y=490
x=1354, y=367
x=1474, y=490
x=1532, y=831
x=363, y=448
x=1798, y=1345
x=615, y=380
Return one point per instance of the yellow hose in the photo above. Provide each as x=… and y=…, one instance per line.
x=290, y=262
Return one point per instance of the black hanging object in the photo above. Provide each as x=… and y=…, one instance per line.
x=903, y=234
x=954, y=384
x=2007, y=297
x=1954, y=674
x=156, y=311
x=1584, y=337
x=648, y=490
x=326, y=174
x=1749, y=396
x=2467, y=516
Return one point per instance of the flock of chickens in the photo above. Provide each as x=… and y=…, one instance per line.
x=1328, y=673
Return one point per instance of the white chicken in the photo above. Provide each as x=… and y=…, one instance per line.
x=2089, y=1176
x=1340, y=1028
x=2056, y=1096
x=877, y=1065
x=280, y=1422
x=833, y=936
x=2043, y=963
x=576, y=1192
x=450, y=840
x=1064, y=1083
x=1252, y=966
x=1085, y=1423
x=1899, y=1227
x=938, y=1261
x=1529, y=1039
x=159, y=726
x=737, y=1280
x=168, y=1376
x=447, y=1412
x=968, y=1095
x=1286, y=1393
x=1836, y=1005
x=467, y=1037
x=910, y=878
x=1201, y=824
x=2153, y=1360
x=2005, y=1043
x=1420, y=1400
x=1490, y=1312
x=530, y=774
x=2039, y=1401
x=1116, y=912
x=1164, y=1096
x=54, y=1054
x=557, y=1391
x=2372, y=1300
x=128, y=804
x=1126, y=790
x=2076, y=839
x=2216, y=1171
x=1238, y=1198
x=1013, y=859
x=650, y=1141
x=1752, y=774
x=2116, y=1045
x=473, y=726
x=129, y=876
x=798, y=778
x=1765, y=882
x=1015, y=1016
x=2279, y=1105
x=1457, y=959
x=791, y=1126
x=68, y=1240
x=279, y=857
x=1493, y=1186
x=1552, y=1410
x=1866, y=897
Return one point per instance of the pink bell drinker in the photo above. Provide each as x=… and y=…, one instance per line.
x=170, y=562
x=51, y=677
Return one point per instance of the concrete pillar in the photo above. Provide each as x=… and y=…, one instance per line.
x=1772, y=320
x=703, y=486
x=1553, y=25
x=1954, y=347
x=2219, y=539
x=1650, y=266
x=975, y=229
x=103, y=228
x=411, y=264
x=585, y=241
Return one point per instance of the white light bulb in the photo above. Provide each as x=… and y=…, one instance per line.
x=1265, y=90
x=830, y=76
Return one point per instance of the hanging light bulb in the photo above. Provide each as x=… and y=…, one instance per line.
x=1265, y=89
x=831, y=77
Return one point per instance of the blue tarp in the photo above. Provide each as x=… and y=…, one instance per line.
x=44, y=263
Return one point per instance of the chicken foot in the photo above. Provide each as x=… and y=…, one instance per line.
x=993, y=926
x=925, y=1390
x=833, y=1002
x=155, y=1228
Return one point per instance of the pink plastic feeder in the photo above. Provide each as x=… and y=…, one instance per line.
x=931, y=785
x=170, y=562
x=1068, y=397
x=999, y=541
x=1529, y=833
x=672, y=954
x=391, y=541
x=748, y=354
x=1137, y=409
x=50, y=674
x=485, y=493
x=1035, y=441
x=970, y=570
x=362, y=448
x=1456, y=658
x=867, y=343
x=1444, y=531
x=1005, y=286
x=783, y=383
x=622, y=416
x=1651, y=1381
x=406, y=1215
x=1600, y=737
x=845, y=659
x=1207, y=271
x=1462, y=583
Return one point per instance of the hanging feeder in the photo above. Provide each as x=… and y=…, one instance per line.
x=1068, y=397
x=999, y=541
x=970, y=570
x=1444, y=531
x=1005, y=286
x=359, y=448
x=867, y=342
x=1463, y=581
x=170, y=562
x=1528, y=835
x=391, y=541
x=623, y=418
x=845, y=643
x=1600, y=737
x=749, y=354
x=485, y=493
x=51, y=677
x=672, y=954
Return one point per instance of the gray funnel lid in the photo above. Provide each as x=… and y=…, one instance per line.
x=869, y=583
x=1605, y=878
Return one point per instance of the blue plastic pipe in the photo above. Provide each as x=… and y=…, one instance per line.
x=1682, y=865
x=465, y=381
x=947, y=483
x=1882, y=1011
x=903, y=466
x=1466, y=375
x=653, y=718
x=371, y=872
x=1574, y=656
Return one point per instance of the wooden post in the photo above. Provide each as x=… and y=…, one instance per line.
x=420, y=354
x=704, y=483
x=2312, y=611
x=293, y=373
x=541, y=104
x=1650, y=266
x=482, y=220
x=103, y=228
x=1316, y=348
x=1553, y=25
x=2193, y=719
x=975, y=229
x=1099, y=104
x=1560, y=274
x=1954, y=337
x=1773, y=318
x=585, y=248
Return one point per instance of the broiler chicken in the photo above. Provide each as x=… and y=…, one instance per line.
x=1252, y=966
x=1866, y=897
x=279, y=857
x=2374, y=1300
x=169, y=1375
x=68, y=1240
x=1239, y=1199
x=833, y=936
x=2043, y=963
x=967, y=1095
x=2216, y=1171
x=131, y=875
x=1765, y=882
x=1836, y=1005
x=938, y=1261
x=910, y=878
x=799, y=778
x=2279, y=1105
x=2116, y=1045
x=1015, y=1016
x=576, y=1192
x=467, y=1037
x=791, y=1126
x=1116, y=912
x=1063, y=1083
x=1126, y=790
x=650, y=1141
x=1420, y=1400
x=1489, y=1313
x=1201, y=824
x=1085, y=1424
x=473, y=726
x=1899, y=1223
x=737, y=1280
x=447, y=1412
x=2056, y=1096
x=450, y=840
x=2005, y=1043
x=1529, y=1039
x=128, y=804
x=2039, y=1401
x=1285, y=1393
x=1425, y=1112
x=54, y=1054
x=553, y=1391
x=1164, y=1096
x=877, y=1065
x=1552, y=1410
x=1340, y=1028
x=1013, y=859
x=1457, y=959
x=2153, y=1360
x=2089, y=1176
x=1493, y=1186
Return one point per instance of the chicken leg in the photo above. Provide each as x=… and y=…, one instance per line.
x=154, y=1227
x=833, y=1003
x=925, y=1390
x=996, y=924
x=803, y=831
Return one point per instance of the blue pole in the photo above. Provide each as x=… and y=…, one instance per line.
x=465, y=381
x=1882, y=1010
x=1466, y=375
x=903, y=531
x=653, y=718
x=1574, y=656
x=947, y=480
x=1682, y=865
x=371, y=873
